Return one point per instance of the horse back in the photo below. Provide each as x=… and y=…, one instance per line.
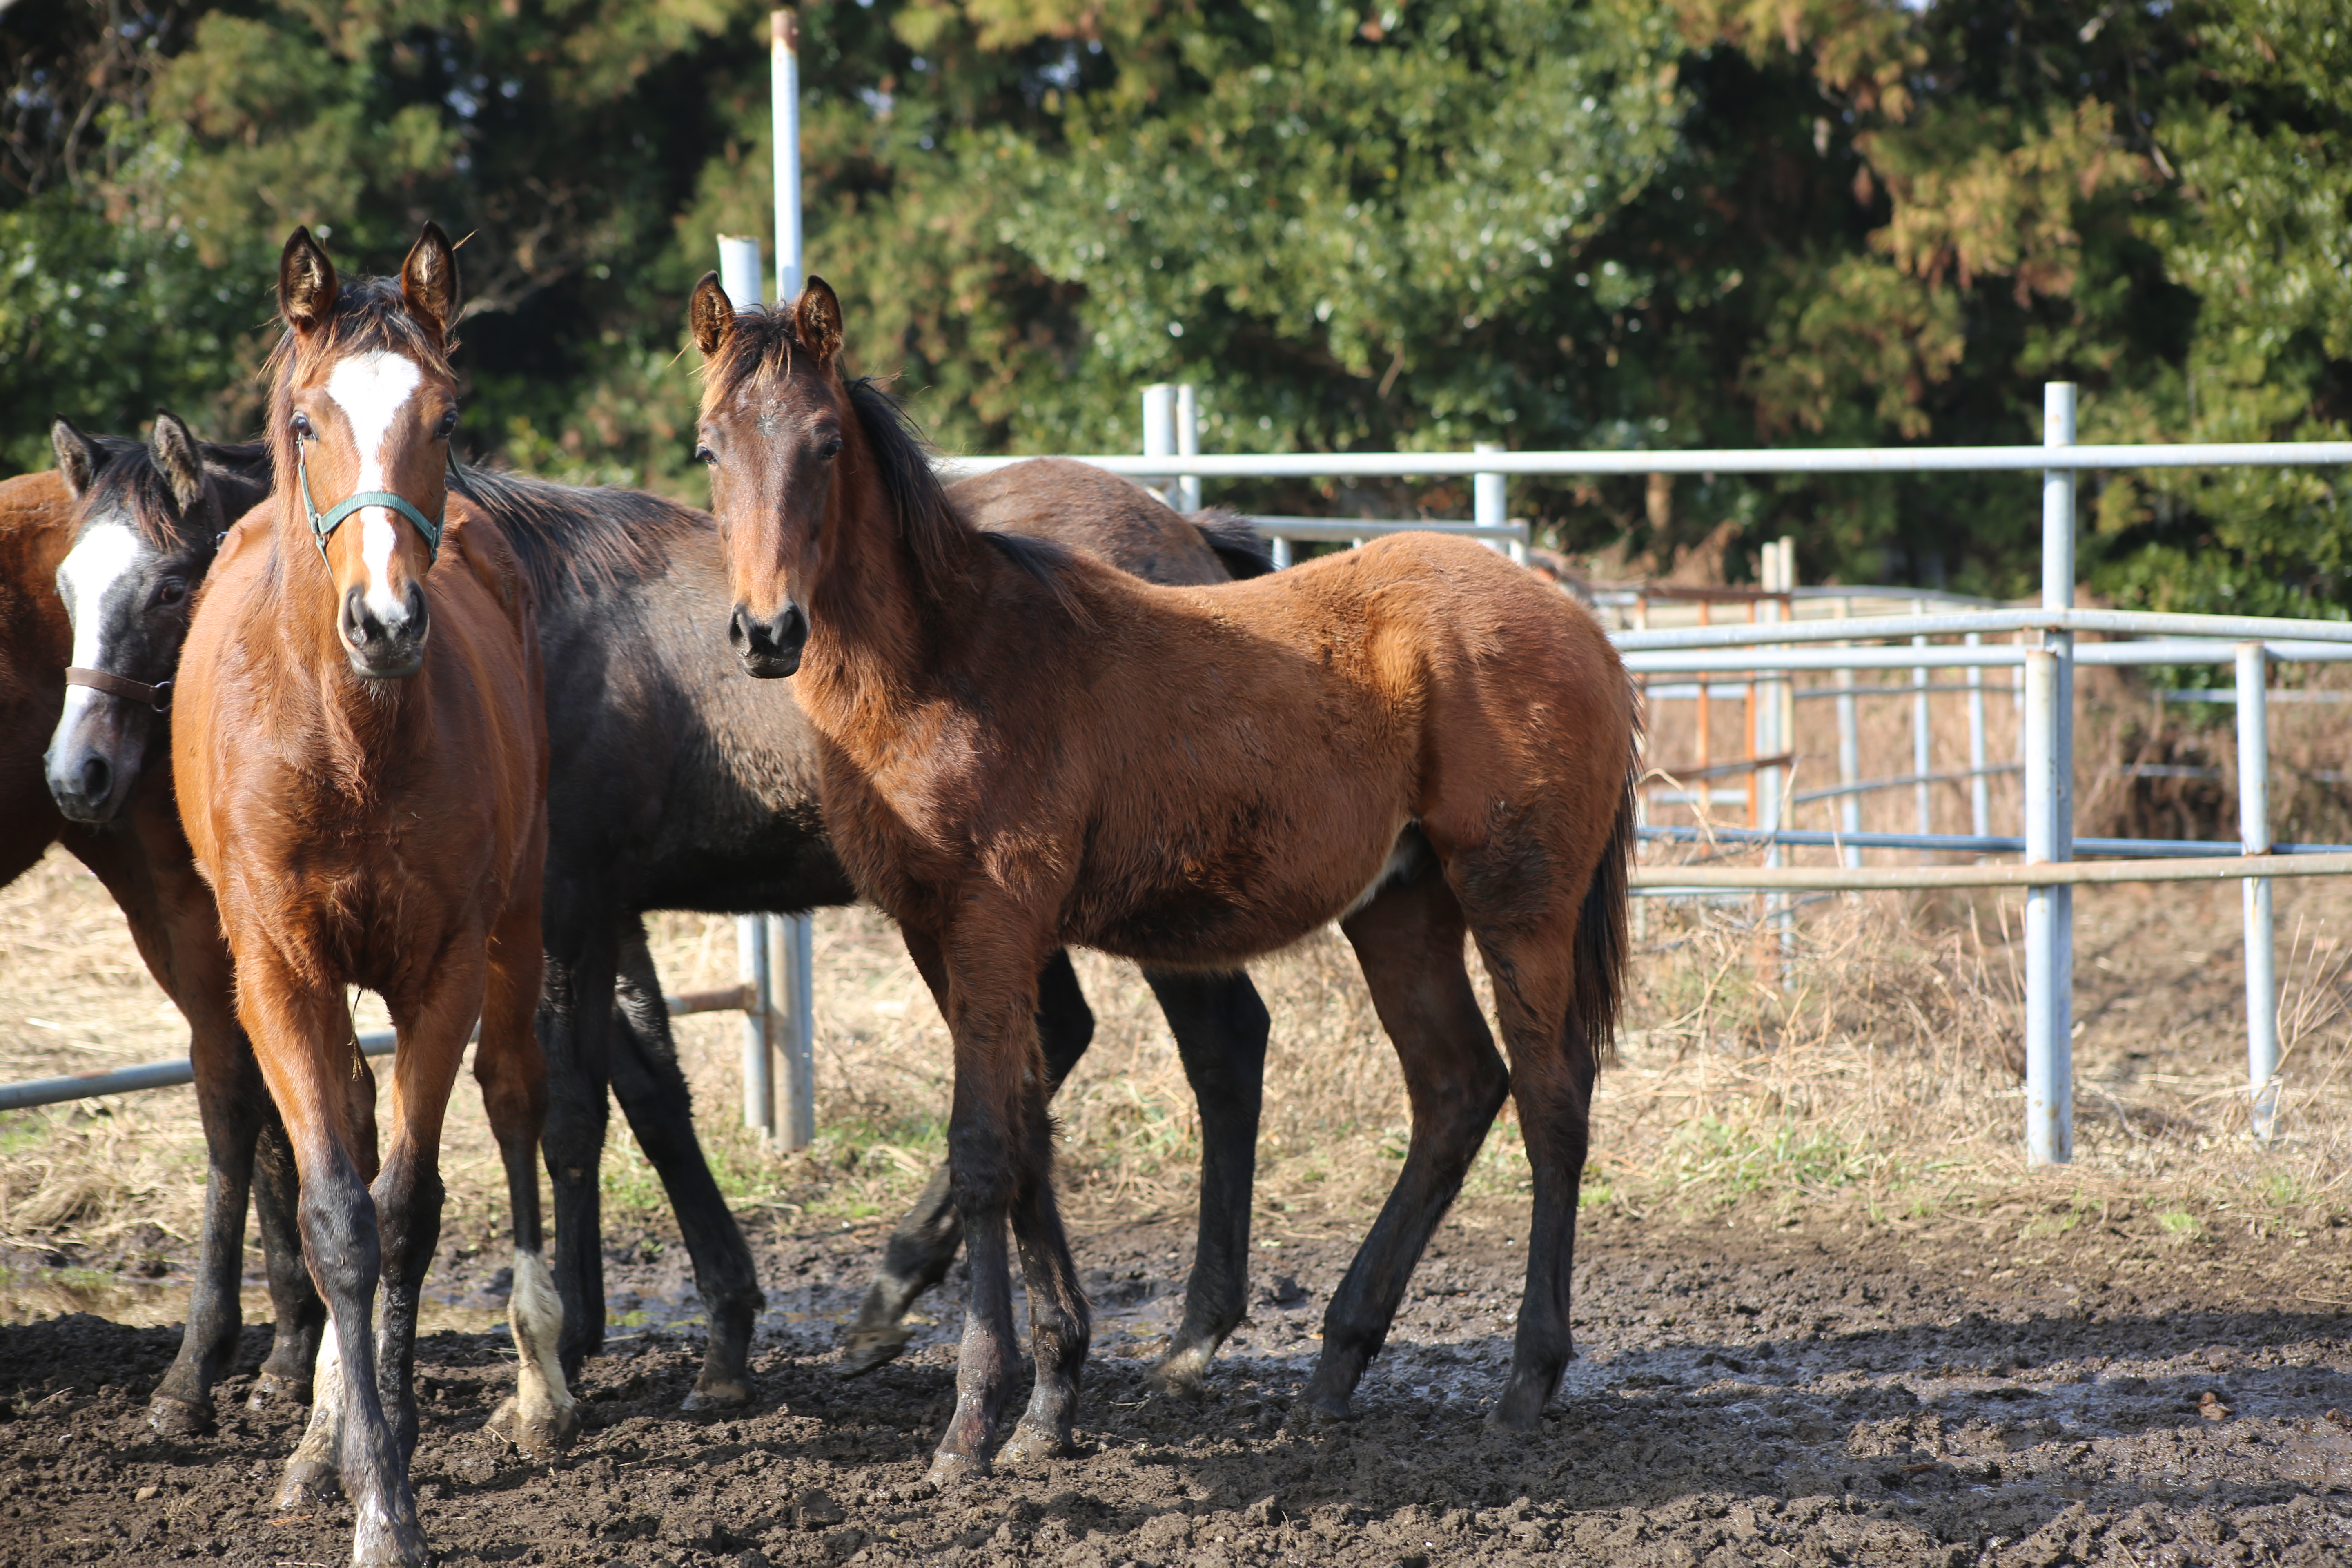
x=1080, y=507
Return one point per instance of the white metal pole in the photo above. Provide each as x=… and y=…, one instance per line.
x=1849, y=750
x=785, y=107
x=791, y=976
x=738, y=269
x=759, y=1015
x=2254, y=837
x=1187, y=445
x=1160, y=433
x=1921, y=752
x=1278, y=550
x=2049, y=817
x=1490, y=505
x=1980, y=785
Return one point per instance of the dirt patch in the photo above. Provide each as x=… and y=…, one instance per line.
x=1960, y=1390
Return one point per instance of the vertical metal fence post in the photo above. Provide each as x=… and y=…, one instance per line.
x=1490, y=505
x=1848, y=749
x=792, y=979
x=785, y=113
x=2255, y=839
x=1187, y=445
x=759, y=1012
x=1278, y=550
x=738, y=269
x=2049, y=817
x=1979, y=785
x=1160, y=433
x=1922, y=750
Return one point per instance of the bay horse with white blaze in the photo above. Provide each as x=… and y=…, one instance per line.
x=1026, y=748
x=360, y=755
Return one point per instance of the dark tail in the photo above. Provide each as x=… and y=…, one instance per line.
x=1235, y=542
x=1602, y=941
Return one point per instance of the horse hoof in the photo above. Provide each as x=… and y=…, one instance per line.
x=277, y=1388
x=541, y=1434
x=949, y=1471
x=1181, y=1374
x=308, y=1484
x=867, y=1349
x=175, y=1418
x=1516, y=1415
x=383, y=1540
x=718, y=1393
x=1031, y=1444
x=1326, y=1410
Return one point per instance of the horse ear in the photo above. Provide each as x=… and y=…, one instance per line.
x=428, y=280
x=817, y=316
x=77, y=456
x=709, y=315
x=177, y=458
x=305, y=283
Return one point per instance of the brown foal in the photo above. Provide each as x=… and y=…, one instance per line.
x=1026, y=747
x=371, y=811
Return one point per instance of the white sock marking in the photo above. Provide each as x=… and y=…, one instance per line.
x=372, y=389
x=536, y=1313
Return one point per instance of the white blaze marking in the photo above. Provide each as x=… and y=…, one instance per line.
x=372, y=389
x=99, y=558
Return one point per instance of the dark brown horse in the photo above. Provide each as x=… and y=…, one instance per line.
x=97, y=560
x=1026, y=748
x=361, y=755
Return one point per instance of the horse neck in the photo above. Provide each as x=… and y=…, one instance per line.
x=358, y=721
x=880, y=622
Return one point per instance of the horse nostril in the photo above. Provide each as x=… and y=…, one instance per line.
x=358, y=626
x=96, y=779
x=418, y=622
x=792, y=628
x=745, y=634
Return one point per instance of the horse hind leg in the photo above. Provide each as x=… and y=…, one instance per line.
x=1554, y=1059
x=1219, y=1026
x=540, y=1418
x=653, y=1093
x=922, y=1247
x=1409, y=942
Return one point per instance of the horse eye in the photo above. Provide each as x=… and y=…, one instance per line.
x=706, y=456
x=830, y=449
x=448, y=423
x=171, y=590
x=302, y=431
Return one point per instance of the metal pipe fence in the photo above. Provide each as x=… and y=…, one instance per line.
x=1785, y=632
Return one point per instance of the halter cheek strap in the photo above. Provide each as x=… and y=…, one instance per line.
x=323, y=524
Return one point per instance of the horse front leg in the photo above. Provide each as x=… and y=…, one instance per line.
x=576, y=1037
x=540, y=1420
x=654, y=1096
x=995, y=1132
x=300, y=1033
x=1220, y=1028
x=230, y=1102
x=923, y=1247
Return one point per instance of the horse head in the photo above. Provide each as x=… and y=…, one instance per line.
x=775, y=417
x=364, y=414
x=146, y=521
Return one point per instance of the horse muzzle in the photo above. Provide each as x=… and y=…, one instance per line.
x=94, y=758
x=381, y=645
x=769, y=648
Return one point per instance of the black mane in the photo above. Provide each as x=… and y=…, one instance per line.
x=573, y=539
x=126, y=472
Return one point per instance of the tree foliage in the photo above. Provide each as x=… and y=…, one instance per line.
x=1414, y=223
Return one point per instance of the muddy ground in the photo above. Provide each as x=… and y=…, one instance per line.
x=1960, y=1389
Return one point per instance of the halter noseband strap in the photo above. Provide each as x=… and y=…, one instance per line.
x=157, y=696
x=323, y=524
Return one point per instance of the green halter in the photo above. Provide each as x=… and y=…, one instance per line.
x=324, y=524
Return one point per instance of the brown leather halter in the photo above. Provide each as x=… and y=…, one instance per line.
x=157, y=696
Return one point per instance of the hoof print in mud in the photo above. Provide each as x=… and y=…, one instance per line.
x=870, y=1348
x=540, y=1436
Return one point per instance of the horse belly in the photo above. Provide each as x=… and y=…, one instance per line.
x=1223, y=910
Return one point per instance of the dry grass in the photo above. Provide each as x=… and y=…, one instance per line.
x=1877, y=1058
